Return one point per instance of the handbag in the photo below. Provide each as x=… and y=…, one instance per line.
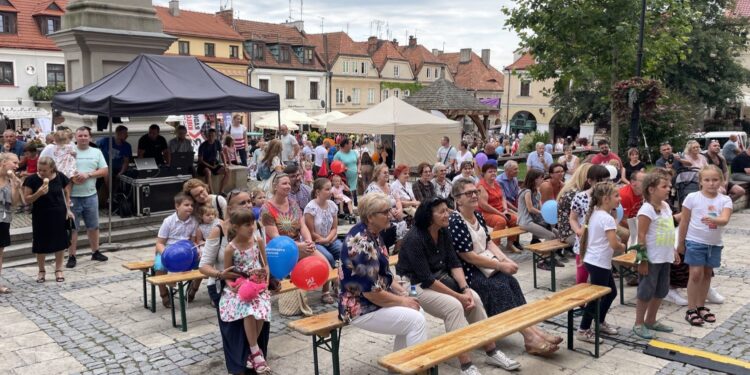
x=294, y=303
x=323, y=171
x=488, y=272
x=447, y=280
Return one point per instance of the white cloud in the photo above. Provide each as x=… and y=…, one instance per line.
x=476, y=24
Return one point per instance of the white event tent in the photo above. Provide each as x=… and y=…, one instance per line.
x=289, y=117
x=322, y=120
x=417, y=133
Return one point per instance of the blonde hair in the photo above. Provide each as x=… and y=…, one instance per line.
x=690, y=144
x=273, y=149
x=370, y=204
x=276, y=181
x=207, y=209
x=377, y=170
x=615, y=163
x=47, y=162
x=577, y=181
x=710, y=168
x=600, y=191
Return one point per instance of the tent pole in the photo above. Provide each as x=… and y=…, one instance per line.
x=278, y=117
x=109, y=185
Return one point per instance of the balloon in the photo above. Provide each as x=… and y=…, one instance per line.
x=620, y=213
x=282, y=255
x=549, y=212
x=481, y=159
x=310, y=273
x=338, y=167
x=179, y=256
x=256, y=212
x=612, y=171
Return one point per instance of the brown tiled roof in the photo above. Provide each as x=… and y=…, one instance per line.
x=42, y=9
x=196, y=24
x=522, y=63
x=418, y=55
x=28, y=35
x=338, y=43
x=269, y=61
x=221, y=60
x=270, y=32
x=386, y=51
x=474, y=74
x=445, y=96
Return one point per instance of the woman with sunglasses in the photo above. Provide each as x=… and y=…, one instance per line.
x=234, y=342
x=487, y=270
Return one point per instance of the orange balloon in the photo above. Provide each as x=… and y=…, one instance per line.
x=338, y=167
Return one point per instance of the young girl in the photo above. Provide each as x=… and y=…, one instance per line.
x=339, y=197
x=579, y=208
x=308, y=175
x=656, y=234
x=63, y=152
x=599, y=243
x=529, y=214
x=228, y=152
x=704, y=214
x=208, y=218
x=248, y=258
x=322, y=222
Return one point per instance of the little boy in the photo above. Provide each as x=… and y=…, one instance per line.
x=178, y=226
x=31, y=156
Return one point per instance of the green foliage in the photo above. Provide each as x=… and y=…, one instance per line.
x=529, y=140
x=413, y=87
x=313, y=137
x=45, y=93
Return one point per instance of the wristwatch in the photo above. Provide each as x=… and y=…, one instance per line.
x=464, y=289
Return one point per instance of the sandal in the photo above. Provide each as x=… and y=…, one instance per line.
x=707, y=317
x=546, y=349
x=692, y=317
x=40, y=277
x=167, y=302
x=327, y=298
x=60, y=278
x=260, y=367
x=4, y=290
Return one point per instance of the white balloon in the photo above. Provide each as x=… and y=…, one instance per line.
x=612, y=171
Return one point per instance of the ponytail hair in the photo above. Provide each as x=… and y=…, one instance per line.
x=318, y=185
x=600, y=191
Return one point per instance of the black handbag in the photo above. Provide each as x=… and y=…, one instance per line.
x=447, y=280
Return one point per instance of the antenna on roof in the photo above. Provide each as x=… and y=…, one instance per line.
x=321, y=23
x=347, y=28
x=300, y=10
x=290, y=10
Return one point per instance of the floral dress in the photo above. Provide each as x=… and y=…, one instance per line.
x=364, y=268
x=563, y=214
x=231, y=308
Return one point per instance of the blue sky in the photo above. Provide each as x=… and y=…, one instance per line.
x=475, y=24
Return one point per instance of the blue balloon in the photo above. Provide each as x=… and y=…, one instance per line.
x=620, y=213
x=179, y=256
x=549, y=212
x=282, y=256
x=256, y=212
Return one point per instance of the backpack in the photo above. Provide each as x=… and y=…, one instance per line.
x=264, y=171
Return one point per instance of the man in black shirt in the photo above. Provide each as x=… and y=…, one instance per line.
x=153, y=145
x=209, y=163
x=741, y=167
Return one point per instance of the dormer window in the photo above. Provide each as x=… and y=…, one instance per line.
x=7, y=23
x=284, y=55
x=49, y=24
x=309, y=55
x=256, y=50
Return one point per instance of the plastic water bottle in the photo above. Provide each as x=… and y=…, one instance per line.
x=413, y=291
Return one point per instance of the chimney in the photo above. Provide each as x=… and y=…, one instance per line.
x=412, y=41
x=174, y=8
x=372, y=45
x=395, y=42
x=465, y=55
x=486, y=57
x=436, y=52
x=226, y=15
x=299, y=25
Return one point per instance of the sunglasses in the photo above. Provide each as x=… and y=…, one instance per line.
x=235, y=192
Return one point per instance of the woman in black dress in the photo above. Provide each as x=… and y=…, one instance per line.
x=49, y=193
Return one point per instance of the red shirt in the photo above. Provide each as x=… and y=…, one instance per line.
x=631, y=203
x=31, y=165
x=601, y=159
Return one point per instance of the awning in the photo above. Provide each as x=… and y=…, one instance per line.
x=16, y=113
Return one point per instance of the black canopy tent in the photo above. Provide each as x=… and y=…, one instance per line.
x=154, y=85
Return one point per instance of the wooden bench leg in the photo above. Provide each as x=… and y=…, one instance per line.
x=329, y=344
x=153, y=292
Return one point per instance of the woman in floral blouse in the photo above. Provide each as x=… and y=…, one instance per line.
x=369, y=299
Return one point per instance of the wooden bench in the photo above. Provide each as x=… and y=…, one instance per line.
x=180, y=279
x=507, y=232
x=147, y=269
x=425, y=357
x=325, y=328
x=626, y=266
x=545, y=251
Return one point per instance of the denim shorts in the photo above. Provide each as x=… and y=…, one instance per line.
x=86, y=208
x=656, y=283
x=702, y=255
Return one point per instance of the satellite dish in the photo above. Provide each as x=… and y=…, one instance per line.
x=322, y=104
x=30, y=70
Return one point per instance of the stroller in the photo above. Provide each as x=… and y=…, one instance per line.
x=684, y=182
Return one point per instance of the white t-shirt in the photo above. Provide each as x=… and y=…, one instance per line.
x=468, y=156
x=660, y=236
x=598, y=251
x=320, y=154
x=701, y=206
x=447, y=155
x=287, y=147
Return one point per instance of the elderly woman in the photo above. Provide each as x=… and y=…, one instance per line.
x=467, y=171
x=380, y=185
x=488, y=271
x=570, y=161
x=234, y=341
x=692, y=157
x=369, y=299
x=199, y=191
x=441, y=183
x=423, y=188
x=492, y=205
x=428, y=260
x=403, y=190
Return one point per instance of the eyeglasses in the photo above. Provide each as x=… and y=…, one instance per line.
x=384, y=212
x=469, y=193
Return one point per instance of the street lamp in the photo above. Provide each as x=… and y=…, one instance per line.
x=636, y=114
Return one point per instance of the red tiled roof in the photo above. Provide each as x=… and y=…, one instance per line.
x=522, y=63
x=270, y=32
x=43, y=9
x=386, y=51
x=28, y=35
x=189, y=23
x=474, y=74
x=418, y=55
x=338, y=43
x=220, y=60
x=742, y=8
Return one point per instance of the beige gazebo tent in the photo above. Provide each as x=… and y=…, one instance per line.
x=417, y=133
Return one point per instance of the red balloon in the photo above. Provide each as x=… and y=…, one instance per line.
x=338, y=167
x=310, y=273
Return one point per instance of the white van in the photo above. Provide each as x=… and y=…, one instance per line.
x=722, y=137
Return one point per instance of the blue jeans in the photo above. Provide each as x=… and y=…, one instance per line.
x=86, y=208
x=332, y=251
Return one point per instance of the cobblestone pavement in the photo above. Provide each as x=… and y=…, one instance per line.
x=95, y=323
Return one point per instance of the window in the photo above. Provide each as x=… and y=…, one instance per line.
x=355, y=67
x=8, y=23
x=525, y=88
x=290, y=89
x=364, y=69
x=436, y=73
x=234, y=52
x=49, y=25
x=355, y=96
x=263, y=84
x=428, y=73
x=385, y=94
x=257, y=51
x=184, y=47
x=407, y=93
x=370, y=96
x=396, y=93
x=6, y=73
x=55, y=74
x=339, y=96
x=346, y=66
x=395, y=70
x=284, y=55
x=209, y=49
x=308, y=55
x=314, y=90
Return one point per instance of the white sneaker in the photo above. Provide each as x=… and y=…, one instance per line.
x=499, y=359
x=608, y=329
x=472, y=370
x=714, y=297
x=674, y=297
x=588, y=336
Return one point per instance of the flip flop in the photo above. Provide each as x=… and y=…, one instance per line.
x=40, y=277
